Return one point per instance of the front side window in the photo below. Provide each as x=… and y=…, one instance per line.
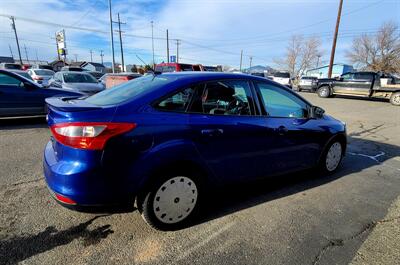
x=347, y=76
x=177, y=102
x=231, y=97
x=9, y=80
x=278, y=102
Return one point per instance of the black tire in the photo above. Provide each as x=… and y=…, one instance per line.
x=299, y=89
x=323, y=167
x=147, y=200
x=324, y=92
x=395, y=99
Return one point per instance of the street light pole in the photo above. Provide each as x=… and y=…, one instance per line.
x=152, y=42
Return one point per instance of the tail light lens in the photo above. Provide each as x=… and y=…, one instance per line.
x=35, y=77
x=88, y=135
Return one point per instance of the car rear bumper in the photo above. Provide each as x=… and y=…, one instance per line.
x=84, y=185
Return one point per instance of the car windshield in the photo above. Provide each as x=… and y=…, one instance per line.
x=44, y=72
x=128, y=90
x=12, y=66
x=78, y=78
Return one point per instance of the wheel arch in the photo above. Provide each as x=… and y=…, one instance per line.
x=341, y=137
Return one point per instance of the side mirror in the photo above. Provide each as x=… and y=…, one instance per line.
x=316, y=112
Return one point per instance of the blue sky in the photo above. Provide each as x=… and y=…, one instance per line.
x=212, y=32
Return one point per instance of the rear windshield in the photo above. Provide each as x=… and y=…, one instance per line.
x=44, y=72
x=24, y=74
x=283, y=75
x=128, y=90
x=308, y=77
x=71, y=77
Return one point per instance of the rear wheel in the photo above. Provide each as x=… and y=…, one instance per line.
x=395, y=99
x=324, y=92
x=170, y=202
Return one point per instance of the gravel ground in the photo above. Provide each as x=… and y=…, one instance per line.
x=294, y=219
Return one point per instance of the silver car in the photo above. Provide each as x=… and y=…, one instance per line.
x=76, y=81
x=41, y=76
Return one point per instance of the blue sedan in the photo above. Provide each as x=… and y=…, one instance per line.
x=164, y=140
x=20, y=96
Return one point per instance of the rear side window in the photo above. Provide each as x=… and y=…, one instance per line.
x=363, y=76
x=177, y=102
x=278, y=102
x=128, y=90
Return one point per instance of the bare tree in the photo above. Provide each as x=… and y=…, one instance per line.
x=380, y=52
x=301, y=54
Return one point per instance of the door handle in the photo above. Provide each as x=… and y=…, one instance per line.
x=282, y=130
x=212, y=132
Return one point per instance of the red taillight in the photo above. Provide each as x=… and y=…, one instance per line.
x=88, y=135
x=64, y=199
x=35, y=77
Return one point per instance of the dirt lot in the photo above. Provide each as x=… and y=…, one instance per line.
x=295, y=219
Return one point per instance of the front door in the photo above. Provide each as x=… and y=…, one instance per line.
x=296, y=137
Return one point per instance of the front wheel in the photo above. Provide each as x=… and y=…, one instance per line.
x=331, y=158
x=170, y=202
x=395, y=99
x=324, y=92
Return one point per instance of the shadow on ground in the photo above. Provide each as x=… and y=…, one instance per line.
x=228, y=200
x=19, y=248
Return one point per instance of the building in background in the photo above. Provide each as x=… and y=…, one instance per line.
x=94, y=67
x=322, y=72
x=6, y=59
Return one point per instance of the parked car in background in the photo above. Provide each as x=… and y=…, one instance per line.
x=72, y=68
x=167, y=139
x=42, y=66
x=8, y=66
x=111, y=80
x=41, y=76
x=96, y=74
x=175, y=67
x=307, y=83
x=76, y=81
x=20, y=96
x=257, y=74
x=361, y=84
x=21, y=73
x=282, y=78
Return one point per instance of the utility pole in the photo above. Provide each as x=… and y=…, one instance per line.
x=91, y=56
x=335, y=39
x=12, y=55
x=120, y=42
x=167, y=47
x=112, y=37
x=251, y=59
x=16, y=38
x=101, y=55
x=76, y=57
x=37, y=58
x=177, y=51
x=152, y=43
x=26, y=54
x=241, y=58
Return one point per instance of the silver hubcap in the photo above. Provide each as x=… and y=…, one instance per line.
x=175, y=200
x=396, y=99
x=324, y=92
x=333, y=157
